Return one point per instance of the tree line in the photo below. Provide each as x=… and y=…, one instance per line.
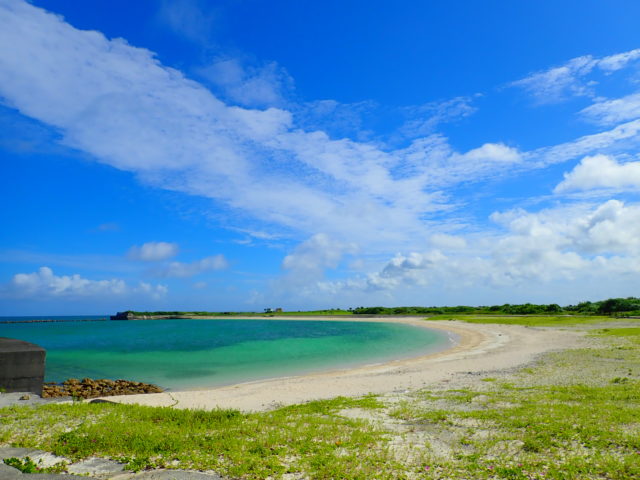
x=627, y=306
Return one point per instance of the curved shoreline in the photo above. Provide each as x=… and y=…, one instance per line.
x=484, y=347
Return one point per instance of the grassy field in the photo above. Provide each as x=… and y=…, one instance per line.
x=531, y=320
x=572, y=415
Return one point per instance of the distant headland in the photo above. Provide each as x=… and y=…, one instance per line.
x=624, y=307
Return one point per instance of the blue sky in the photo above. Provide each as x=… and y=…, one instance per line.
x=237, y=155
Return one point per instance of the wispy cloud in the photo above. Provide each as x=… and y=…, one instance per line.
x=187, y=18
x=181, y=269
x=423, y=119
x=566, y=81
x=611, y=112
x=108, y=227
x=622, y=136
x=153, y=251
x=251, y=86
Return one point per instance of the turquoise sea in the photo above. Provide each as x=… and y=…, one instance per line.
x=188, y=354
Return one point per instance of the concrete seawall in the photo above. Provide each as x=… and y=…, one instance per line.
x=21, y=366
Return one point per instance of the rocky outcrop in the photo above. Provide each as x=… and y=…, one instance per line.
x=88, y=388
x=123, y=316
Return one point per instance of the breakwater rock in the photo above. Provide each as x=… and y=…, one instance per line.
x=88, y=388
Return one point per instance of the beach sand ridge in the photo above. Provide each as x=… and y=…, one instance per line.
x=478, y=348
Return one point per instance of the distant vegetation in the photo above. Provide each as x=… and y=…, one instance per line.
x=626, y=306
x=629, y=306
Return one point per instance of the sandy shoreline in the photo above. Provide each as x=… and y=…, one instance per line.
x=479, y=348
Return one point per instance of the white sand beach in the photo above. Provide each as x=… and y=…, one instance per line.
x=478, y=348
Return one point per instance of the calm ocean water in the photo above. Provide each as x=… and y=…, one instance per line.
x=184, y=354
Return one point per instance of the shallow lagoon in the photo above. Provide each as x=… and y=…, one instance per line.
x=186, y=354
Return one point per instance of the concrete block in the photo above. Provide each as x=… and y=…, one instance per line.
x=21, y=366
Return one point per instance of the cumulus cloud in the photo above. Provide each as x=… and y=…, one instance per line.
x=431, y=159
x=493, y=152
x=609, y=228
x=153, y=251
x=181, y=269
x=45, y=283
x=601, y=171
x=577, y=244
x=560, y=83
x=310, y=258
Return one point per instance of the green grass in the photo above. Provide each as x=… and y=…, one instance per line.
x=309, y=437
x=530, y=320
x=331, y=312
x=631, y=333
x=27, y=465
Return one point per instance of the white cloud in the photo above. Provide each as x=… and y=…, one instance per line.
x=154, y=291
x=610, y=112
x=609, y=228
x=618, y=60
x=249, y=86
x=582, y=246
x=601, y=171
x=208, y=264
x=432, y=160
x=153, y=251
x=338, y=120
x=425, y=118
x=119, y=104
x=318, y=252
x=45, y=283
x=493, y=152
x=625, y=135
x=560, y=83
x=447, y=242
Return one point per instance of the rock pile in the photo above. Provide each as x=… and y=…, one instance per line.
x=88, y=388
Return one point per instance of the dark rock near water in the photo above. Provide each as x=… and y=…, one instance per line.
x=88, y=388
